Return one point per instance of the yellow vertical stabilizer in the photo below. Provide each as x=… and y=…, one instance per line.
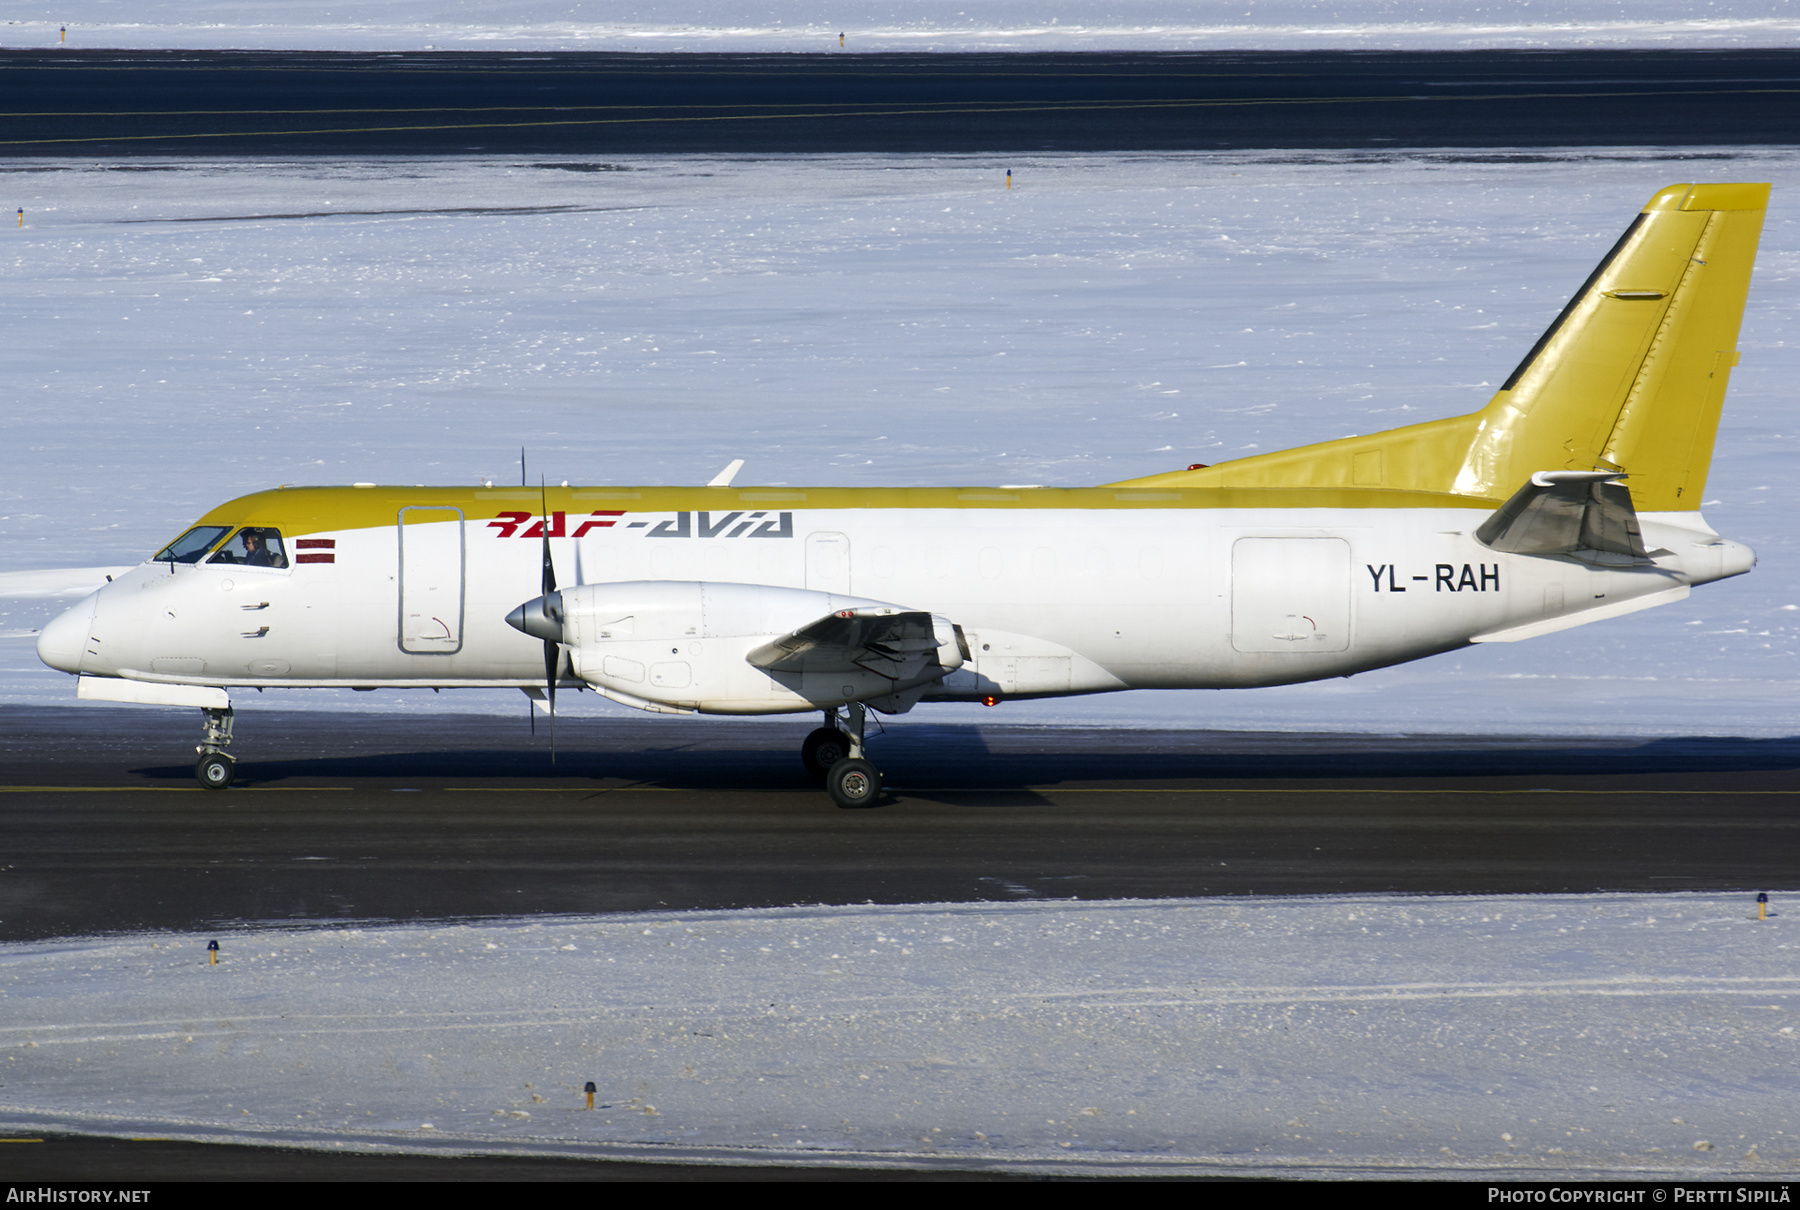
x=1630, y=377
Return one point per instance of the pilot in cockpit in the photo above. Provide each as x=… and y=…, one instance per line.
x=253, y=548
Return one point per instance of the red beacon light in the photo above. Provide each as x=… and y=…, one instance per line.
x=990, y=700
x=1196, y=466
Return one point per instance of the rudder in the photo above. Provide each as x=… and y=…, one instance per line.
x=1631, y=376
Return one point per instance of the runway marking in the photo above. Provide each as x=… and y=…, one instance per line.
x=602, y=789
x=1041, y=790
x=1002, y=108
x=157, y=789
x=1298, y=790
x=1086, y=790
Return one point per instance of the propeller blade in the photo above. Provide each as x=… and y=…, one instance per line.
x=549, y=564
x=552, y=662
x=552, y=651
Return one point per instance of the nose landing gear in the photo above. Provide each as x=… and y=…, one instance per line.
x=836, y=756
x=215, y=769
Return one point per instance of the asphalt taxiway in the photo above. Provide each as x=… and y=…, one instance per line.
x=209, y=103
x=410, y=817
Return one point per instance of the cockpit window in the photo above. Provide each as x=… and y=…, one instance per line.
x=253, y=546
x=191, y=546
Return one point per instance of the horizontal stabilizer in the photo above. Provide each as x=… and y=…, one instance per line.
x=901, y=646
x=1562, y=512
x=1600, y=613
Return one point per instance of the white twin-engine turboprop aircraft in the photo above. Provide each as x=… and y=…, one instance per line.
x=1572, y=496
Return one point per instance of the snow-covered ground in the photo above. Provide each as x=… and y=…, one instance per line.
x=182, y=332
x=887, y=25
x=1520, y=1036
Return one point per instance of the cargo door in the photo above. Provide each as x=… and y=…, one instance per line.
x=1290, y=594
x=431, y=579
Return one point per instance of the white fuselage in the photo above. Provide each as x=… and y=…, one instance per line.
x=1050, y=601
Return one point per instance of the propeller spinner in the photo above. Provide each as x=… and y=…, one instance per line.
x=540, y=617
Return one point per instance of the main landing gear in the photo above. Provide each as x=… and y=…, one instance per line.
x=216, y=769
x=825, y=747
x=835, y=756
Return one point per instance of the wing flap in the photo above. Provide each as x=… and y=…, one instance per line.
x=897, y=644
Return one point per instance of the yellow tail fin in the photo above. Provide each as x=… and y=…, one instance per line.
x=1629, y=378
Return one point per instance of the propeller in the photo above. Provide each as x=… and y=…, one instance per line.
x=542, y=618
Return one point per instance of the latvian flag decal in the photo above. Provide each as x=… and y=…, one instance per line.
x=313, y=546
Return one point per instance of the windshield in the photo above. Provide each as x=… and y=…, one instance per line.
x=189, y=547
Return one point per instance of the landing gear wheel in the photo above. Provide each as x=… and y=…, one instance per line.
x=854, y=782
x=215, y=770
x=823, y=749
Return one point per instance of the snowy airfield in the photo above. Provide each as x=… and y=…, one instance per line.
x=1514, y=1037
x=183, y=332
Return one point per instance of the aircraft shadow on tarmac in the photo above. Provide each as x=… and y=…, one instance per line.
x=923, y=761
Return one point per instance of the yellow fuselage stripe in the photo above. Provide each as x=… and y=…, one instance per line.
x=300, y=510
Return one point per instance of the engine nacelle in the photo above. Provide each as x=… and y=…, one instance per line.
x=683, y=646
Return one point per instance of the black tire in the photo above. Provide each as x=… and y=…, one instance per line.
x=853, y=783
x=823, y=749
x=215, y=771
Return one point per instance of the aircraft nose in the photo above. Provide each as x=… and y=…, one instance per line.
x=64, y=640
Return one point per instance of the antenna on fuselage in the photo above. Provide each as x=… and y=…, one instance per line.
x=522, y=480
